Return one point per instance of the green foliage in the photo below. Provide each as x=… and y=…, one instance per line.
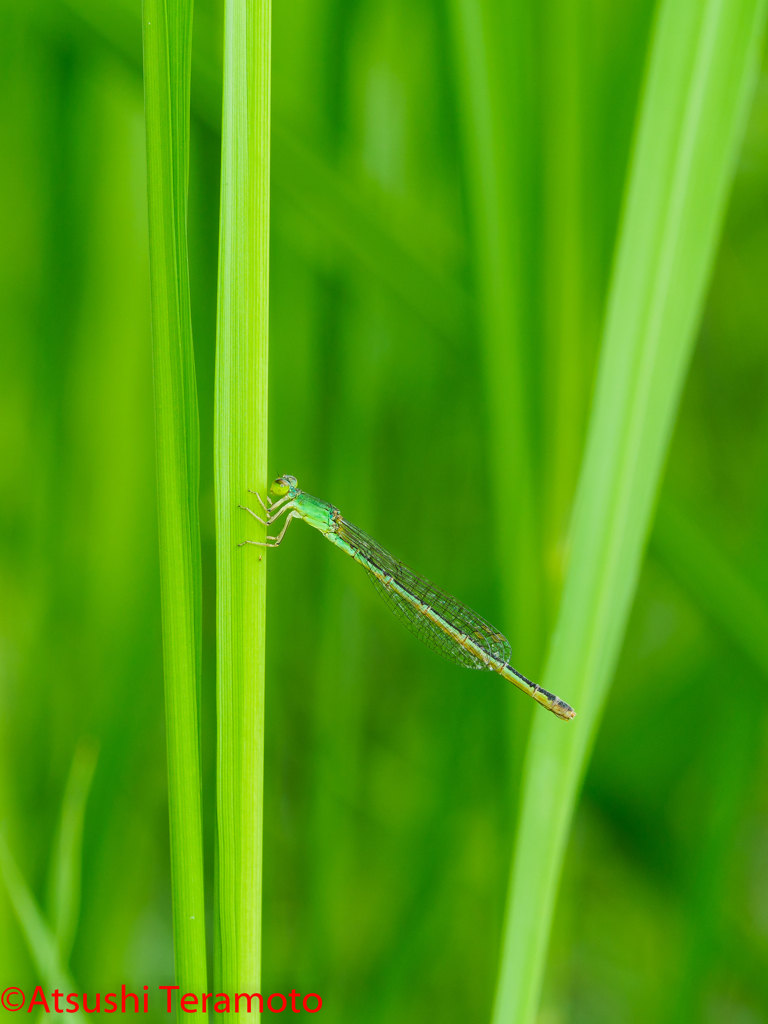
x=41, y=940
x=391, y=777
x=49, y=944
x=702, y=66
x=241, y=464
x=64, y=881
x=167, y=67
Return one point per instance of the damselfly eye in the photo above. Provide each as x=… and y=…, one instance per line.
x=282, y=485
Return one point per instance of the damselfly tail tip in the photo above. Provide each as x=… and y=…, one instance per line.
x=555, y=704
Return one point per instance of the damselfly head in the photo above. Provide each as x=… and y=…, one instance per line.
x=283, y=485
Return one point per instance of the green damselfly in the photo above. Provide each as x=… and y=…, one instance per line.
x=439, y=620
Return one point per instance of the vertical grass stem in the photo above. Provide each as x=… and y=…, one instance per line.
x=167, y=62
x=240, y=464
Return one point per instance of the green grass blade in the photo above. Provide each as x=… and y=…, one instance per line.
x=702, y=67
x=40, y=939
x=167, y=47
x=240, y=464
x=66, y=863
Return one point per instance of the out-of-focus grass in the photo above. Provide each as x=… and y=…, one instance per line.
x=64, y=878
x=700, y=79
x=79, y=588
x=493, y=52
x=388, y=803
x=40, y=937
x=49, y=939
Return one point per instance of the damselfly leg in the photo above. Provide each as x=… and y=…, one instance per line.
x=275, y=541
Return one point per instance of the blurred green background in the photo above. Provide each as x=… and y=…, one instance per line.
x=392, y=776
